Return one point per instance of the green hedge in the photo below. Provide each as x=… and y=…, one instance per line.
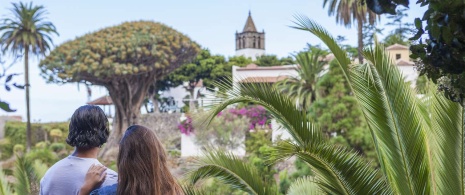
x=15, y=133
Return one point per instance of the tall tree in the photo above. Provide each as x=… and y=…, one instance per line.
x=273, y=60
x=125, y=59
x=369, y=33
x=346, y=12
x=402, y=30
x=27, y=31
x=302, y=87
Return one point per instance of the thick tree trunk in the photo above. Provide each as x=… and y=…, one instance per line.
x=360, y=39
x=128, y=95
x=28, y=110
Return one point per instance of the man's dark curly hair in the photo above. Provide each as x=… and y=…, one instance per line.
x=88, y=128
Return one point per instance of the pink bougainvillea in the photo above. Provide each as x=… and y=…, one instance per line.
x=257, y=116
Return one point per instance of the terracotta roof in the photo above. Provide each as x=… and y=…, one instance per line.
x=256, y=67
x=397, y=47
x=249, y=25
x=401, y=62
x=105, y=100
x=263, y=79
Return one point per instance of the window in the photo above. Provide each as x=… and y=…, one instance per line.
x=397, y=56
x=254, y=41
x=259, y=45
x=243, y=42
x=239, y=43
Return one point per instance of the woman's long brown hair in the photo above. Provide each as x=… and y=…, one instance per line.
x=142, y=167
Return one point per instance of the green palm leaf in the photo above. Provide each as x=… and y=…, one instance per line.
x=304, y=185
x=281, y=107
x=392, y=112
x=302, y=87
x=233, y=171
x=27, y=179
x=447, y=143
x=4, y=187
x=338, y=171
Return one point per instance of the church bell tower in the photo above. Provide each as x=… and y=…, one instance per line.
x=250, y=43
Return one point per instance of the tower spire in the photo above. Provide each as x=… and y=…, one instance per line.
x=249, y=24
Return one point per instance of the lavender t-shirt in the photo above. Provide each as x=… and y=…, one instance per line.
x=68, y=175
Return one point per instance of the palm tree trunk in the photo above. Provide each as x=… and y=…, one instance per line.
x=28, y=111
x=360, y=39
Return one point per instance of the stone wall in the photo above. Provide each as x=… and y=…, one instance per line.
x=165, y=126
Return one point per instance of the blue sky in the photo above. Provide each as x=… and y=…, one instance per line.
x=210, y=23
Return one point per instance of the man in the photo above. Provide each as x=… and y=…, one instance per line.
x=88, y=131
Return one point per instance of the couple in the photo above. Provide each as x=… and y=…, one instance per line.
x=142, y=167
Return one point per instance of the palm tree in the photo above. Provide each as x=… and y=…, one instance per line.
x=302, y=87
x=27, y=32
x=419, y=141
x=346, y=12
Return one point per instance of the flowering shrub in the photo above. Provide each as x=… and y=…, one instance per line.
x=186, y=126
x=256, y=116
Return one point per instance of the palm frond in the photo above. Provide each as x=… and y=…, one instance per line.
x=4, y=187
x=281, y=107
x=338, y=171
x=304, y=185
x=447, y=143
x=233, y=171
x=392, y=112
x=27, y=180
x=192, y=190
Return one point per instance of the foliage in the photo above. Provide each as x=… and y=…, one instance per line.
x=348, y=11
x=370, y=32
x=402, y=30
x=339, y=116
x=419, y=142
x=232, y=171
x=257, y=116
x=225, y=132
x=26, y=31
x=441, y=53
x=185, y=126
x=57, y=147
x=385, y=6
x=304, y=185
x=302, y=87
x=126, y=59
x=26, y=176
x=15, y=134
x=258, y=146
x=273, y=60
x=5, y=188
x=44, y=155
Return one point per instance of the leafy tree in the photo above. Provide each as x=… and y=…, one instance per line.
x=206, y=67
x=441, y=53
x=26, y=32
x=385, y=6
x=419, y=142
x=273, y=60
x=338, y=115
x=402, y=29
x=346, y=12
x=126, y=59
x=302, y=87
x=369, y=32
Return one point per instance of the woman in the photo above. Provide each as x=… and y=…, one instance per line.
x=142, y=168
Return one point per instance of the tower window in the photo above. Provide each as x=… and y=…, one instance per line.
x=254, y=41
x=243, y=42
x=397, y=56
x=239, y=43
x=259, y=45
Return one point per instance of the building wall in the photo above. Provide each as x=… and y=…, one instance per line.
x=250, y=53
x=404, y=54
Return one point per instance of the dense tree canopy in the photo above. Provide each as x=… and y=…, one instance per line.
x=126, y=59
